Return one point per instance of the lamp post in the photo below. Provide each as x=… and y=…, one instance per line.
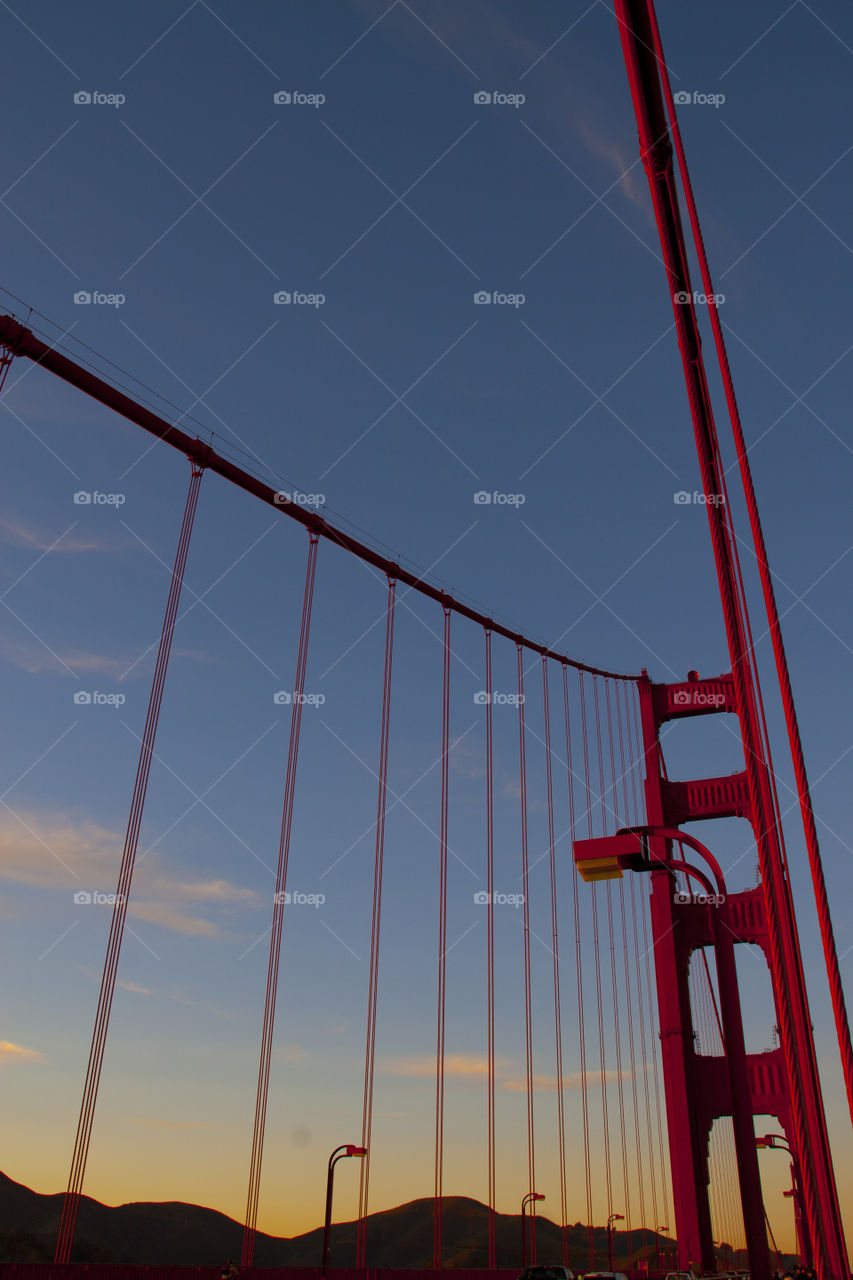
x=778, y=1141
x=614, y=1217
x=339, y=1153
x=657, y=1244
x=605, y=858
x=528, y=1199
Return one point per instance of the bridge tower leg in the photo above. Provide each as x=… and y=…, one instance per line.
x=696, y=1085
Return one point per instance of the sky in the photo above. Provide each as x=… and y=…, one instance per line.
x=182, y=167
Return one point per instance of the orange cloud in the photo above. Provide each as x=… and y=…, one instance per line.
x=575, y=1081
x=464, y=1065
x=17, y=1053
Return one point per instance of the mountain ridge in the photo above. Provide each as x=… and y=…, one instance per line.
x=162, y=1233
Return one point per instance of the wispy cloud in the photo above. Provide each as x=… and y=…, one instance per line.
x=474, y=1066
x=132, y=986
x=61, y=853
x=221, y=891
x=423, y=1066
x=549, y=1083
x=290, y=1053
x=178, y=921
x=35, y=660
x=23, y=535
x=631, y=184
x=466, y=760
x=10, y=1052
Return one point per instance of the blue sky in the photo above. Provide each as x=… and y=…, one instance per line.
x=396, y=399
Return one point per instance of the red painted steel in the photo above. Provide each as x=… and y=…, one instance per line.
x=794, y=739
x=811, y=1138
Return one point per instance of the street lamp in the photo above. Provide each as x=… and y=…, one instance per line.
x=614, y=1217
x=528, y=1199
x=778, y=1141
x=605, y=858
x=339, y=1153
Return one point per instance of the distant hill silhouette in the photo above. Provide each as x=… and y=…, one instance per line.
x=173, y=1233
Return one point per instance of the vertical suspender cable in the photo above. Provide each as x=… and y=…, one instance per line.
x=86, y=1119
x=579, y=971
x=279, y=899
x=490, y=947
x=558, y=1009
x=373, y=981
x=629, y=986
x=655, y=1057
x=442, y=949
x=605, y=1116
x=620, y=1090
x=528, y=1000
x=644, y=1054
x=636, y=750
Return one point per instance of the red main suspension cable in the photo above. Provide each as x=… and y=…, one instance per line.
x=783, y=672
x=279, y=900
x=376, y=917
x=442, y=949
x=86, y=1119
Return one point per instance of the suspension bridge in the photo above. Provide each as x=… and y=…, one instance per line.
x=649, y=949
